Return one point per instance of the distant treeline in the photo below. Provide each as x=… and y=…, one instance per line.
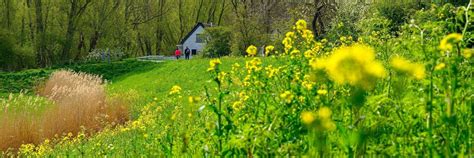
x=42, y=33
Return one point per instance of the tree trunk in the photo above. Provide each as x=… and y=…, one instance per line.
x=93, y=41
x=69, y=31
x=42, y=56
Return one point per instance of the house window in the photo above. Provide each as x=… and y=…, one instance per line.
x=199, y=38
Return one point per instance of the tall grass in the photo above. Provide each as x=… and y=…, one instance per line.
x=78, y=104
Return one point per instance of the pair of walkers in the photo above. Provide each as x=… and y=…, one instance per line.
x=187, y=53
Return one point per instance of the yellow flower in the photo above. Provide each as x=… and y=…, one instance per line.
x=342, y=38
x=271, y=72
x=328, y=125
x=309, y=54
x=269, y=49
x=440, y=66
x=175, y=90
x=416, y=70
x=447, y=42
x=221, y=76
x=324, y=113
x=295, y=53
x=213, y=64
x=237, y=105
x=308, y=85
x=254, y=65
x=308, y=35
x=290, y=34
x=322, y=92
x=193, y=100
x=307, y=117
x=287, y=96
x=301, y=25
x=317, y=64
x=288, y=43
x=467, y=53
x=252, y=50
x=324, y=40
x=355, y=65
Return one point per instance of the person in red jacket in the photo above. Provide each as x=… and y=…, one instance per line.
x=177, y=53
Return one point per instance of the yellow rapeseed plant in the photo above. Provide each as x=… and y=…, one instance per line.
x=252, y=50
x=307, y=117
x=175, y=90
x=415, y=70
x=269, y=49
x=287, y=96
x=355, y=65
x=301, y=25
x=213, y=64
x=447, y=42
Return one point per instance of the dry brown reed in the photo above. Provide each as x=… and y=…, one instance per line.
x=79, y=104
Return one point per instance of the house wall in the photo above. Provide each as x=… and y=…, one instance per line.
x=191, y=41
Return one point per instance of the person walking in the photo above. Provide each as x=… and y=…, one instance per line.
x=177, y=53
x=187, y=53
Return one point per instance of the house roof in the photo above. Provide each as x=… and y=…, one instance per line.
x=199, y=24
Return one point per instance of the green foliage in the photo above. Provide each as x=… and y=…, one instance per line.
x=397, y=12
x=13, y=57
x=218, y=43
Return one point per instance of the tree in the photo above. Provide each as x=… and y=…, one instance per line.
x=76, y=9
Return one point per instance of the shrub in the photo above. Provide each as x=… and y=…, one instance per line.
x=13, y=56
x=105, y=55
x=397, y=12
x=218, y=43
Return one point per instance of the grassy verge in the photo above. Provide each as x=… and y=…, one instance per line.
x=27, y=80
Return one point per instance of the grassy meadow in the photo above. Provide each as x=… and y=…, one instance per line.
x=380, y=94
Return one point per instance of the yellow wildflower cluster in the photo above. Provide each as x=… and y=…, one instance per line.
x=213, y=64
x=251, y=50
x=322, y=92
x=321, y=119
x=271, y=72
x=287, y=96
x=355, y=65
x=237, y=105
x=467, y=53
x=301, y=25
x=288, y=41
x=307, y=83
x=222, y=76
x=269, y=49
x=440, y=66
x=447, y=42
x=415, y=70
x=175, y=90
x=254, y=65
x=307, y=117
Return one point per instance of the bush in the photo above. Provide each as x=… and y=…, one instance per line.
x=218, y=43
x=397, y=12
x=104, y=55
x=13, y=56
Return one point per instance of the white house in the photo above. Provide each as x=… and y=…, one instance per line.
x=194, y=40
